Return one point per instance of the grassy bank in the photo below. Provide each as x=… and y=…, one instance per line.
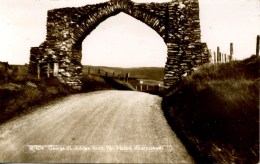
x=216, y=111
x=23, y=92
x=19, y=97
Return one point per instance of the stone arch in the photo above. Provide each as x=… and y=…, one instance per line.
x=113, y=8
x=177, y=22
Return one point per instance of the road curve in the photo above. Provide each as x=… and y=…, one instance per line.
x=100, y=127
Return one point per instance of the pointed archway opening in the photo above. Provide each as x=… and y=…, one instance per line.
x=123, y=41
x=123, y=44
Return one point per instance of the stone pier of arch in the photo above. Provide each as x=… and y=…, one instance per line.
x=177, y=22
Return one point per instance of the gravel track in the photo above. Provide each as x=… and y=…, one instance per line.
x=103, y=127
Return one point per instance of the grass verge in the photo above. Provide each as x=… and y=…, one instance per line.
x=22, y=93
x=17, y=98
x=216, y=112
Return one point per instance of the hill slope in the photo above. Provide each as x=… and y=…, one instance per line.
x=154, y=73
x=216, y=110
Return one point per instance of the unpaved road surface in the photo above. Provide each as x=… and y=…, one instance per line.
x=104, y=126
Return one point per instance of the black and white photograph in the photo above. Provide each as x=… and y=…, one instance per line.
x=129, y=81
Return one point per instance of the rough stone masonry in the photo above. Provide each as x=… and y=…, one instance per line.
x=177, y=22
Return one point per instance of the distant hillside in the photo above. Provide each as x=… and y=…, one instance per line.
x=154, y=73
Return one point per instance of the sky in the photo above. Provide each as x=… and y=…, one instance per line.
x=122, y=40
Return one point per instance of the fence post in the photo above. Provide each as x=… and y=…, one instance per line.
x=231, y=52
x=225, y=58
x=38, y=71
x=141, y=85
x=214, y=57
x=55, y=69
x=99, y=71
x=218, y=55
x=257, y=45
x=229, y=58
x=126, y=77
x=48, y=70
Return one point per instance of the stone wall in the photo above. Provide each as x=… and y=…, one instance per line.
x=177, y=22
